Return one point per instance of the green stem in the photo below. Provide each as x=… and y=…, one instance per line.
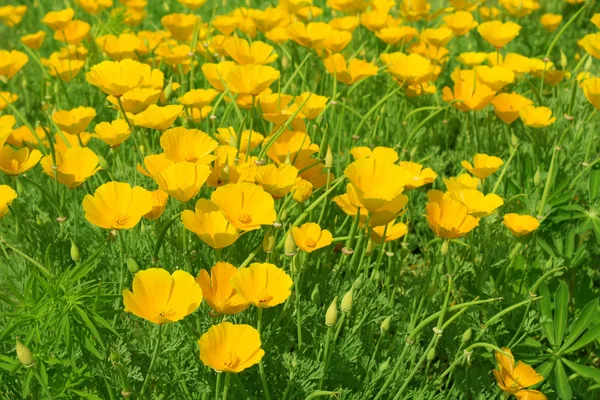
x=161, y=236
x=226, y=387
x=261, y=366
x=326, y=356
x=548, y=182
x=218, y=385
x=153, y=360
x=42, y=383
x=504, y=169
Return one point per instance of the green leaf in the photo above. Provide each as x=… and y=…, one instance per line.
x=583, y=370
x=545, y=368
x=570, y=243
x=591, y=335
x=90, y=346
x=581, y=323
x=596, y=226
x=546, y=247
x=594, y=184
x=563, y=387
x=561, y=312
x=89, y=324
x=546, y=310
x=86, y=395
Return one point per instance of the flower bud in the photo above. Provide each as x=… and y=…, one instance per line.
x=444, y=248
x=385, y=325
x=514, y=140
x=315, y=296
x=132, y=265
x=347, y=301
x=20, y=188
x=385, y=365
x=358, y=282
x=467, y=335
x=24, y=355
x=102, y=162
x=296, y=265
x=431, y=354
x=537, y=178
x=329, y=158
x=589, y=63
x=114, y=357
x=376, y=275
x=332, y=313
x=290, y=245
x=563, y=60
x=369, y=249
x=75, y=256
x=269, y=241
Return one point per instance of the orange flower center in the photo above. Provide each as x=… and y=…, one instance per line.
x=231, y=360
x=263, y=296
x=14, y=165
x=122, y=220
x=244, y=217
x=310, y=242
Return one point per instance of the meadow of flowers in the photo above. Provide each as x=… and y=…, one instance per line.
x=352, y=199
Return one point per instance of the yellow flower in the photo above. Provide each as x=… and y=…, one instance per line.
x=159, y=297
x=119, y=48
x=520, y=225
x=74, y=33
x=23, y=137
x=550, y=22
x=230, y=348
x=591, y=44
x=468, y=94
x=497, y=33
x=314, y=105
x=192, y=4
x=268, y=19
x=116, y=205
x=74, y=121
x=73, y=166
x=591, y=89
x=182, y=180
x=16, y=162
x=478, y=204
x=347, y=23
x=376, y=182
x=536, y=117
x=181, y=26
x=112, y=133
x=521, y=8
x=117, y=77
x=349, y=73
x=310, y=237
x=488, y=13
x=262, y=284
x=136, y=100
x=463, y=181
x=175, y=54
x=12, y=15
x=495, y=77
x=198, y=114
x=415, y=10
x=350, y=204
x=276, y=180
x=472, y=59
x=294, y=145
x=311, y=35
x=245, y=53
x=301, y=190
x=396, y=34
x=210, y=225
x=412, y=69
x=596, y=20
x=383, y=154
x=514, y=379
x=11, y=62
x=436, y=37
x=215, y=73
x=59, y=20
x=347, y=6
x=508, y=105
x=159, y=203
x=157, y=117
x=94, y=7
x=517, y=63
x=7, y=195
x=245, y=205
x=226, y=24
x=7, y=98
x=389, y=232
x=198, y=98
x=337, y=41
x=374, y=20
x=218, y=291
x=34, y=40
x=484, y=165
x=418, y=175
x=191, y=145
x=250, y=79
x=461, y=22
x=448, y=218
x=64, y=69
x=229, y=137
x=80, y=140
x=277, y=35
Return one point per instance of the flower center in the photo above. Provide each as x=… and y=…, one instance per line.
x=244, y=217
x=310, y=242
x=231, y=360
x=122, y=220
x=263, y=296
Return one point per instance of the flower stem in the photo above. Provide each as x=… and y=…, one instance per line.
x=261, y=366
x=326, y=356
x=226, y=388
x=153, y=360
x=218, y=385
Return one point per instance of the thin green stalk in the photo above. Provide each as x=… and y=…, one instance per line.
x=261, y=366
x=161, y=236
x=326, y=356
x=42, y=383
x=504, y=169
x=297, y=298
x=548, y=182
x=226, y=387
x=218, y=385
x=375, y=108
x=153, y=359
x=563, y=29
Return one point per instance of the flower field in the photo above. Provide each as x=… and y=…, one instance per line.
x=302, y=199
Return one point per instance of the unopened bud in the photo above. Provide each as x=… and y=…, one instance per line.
x=589, y=63
x=315, y=296
x=102, y=162
x=75, y=256
x=444, y=248
x=385, y=365
x=332, y=313
x=369, y=249
x=514, y=140
x=413, y=152
x=290, y=245
x=114, y=357
x=132, y=265
x=431, y=354
x=347, y=301
x=296, y=265
x=358, y=282
x=269, y=241
x=385, y=325
x=467, y=335
x=328, y=158
x=20, y=188
x=24, y=355
x=563, y=60
x=537, y=178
